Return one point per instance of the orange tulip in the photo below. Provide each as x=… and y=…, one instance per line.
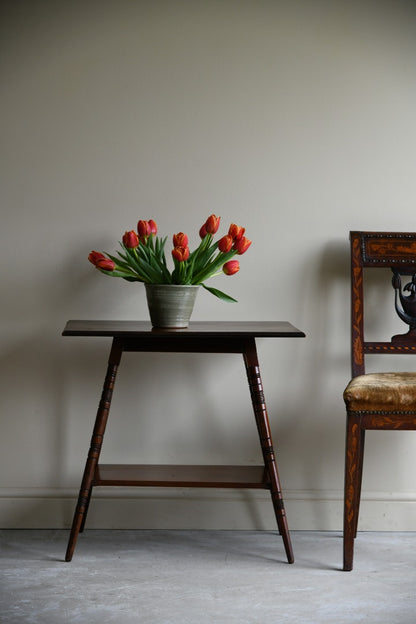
x=241, y=246
x=153, y=227
x=95, y=256
x=180, y=253
x=225, y=243
x=180, y=240
x=106, y=264
x=212, y=224
x=143, y=229
x=231, y=267
x=203, y=231
x=130, y=239
x=236, y=231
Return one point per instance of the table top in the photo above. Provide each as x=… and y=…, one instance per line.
x=254, y=329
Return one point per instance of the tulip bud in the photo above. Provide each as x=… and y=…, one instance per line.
x=225, y=243
x=180, y=253
x=130, y=239
x=94, y=256
x=231, y=267
x=143, y=229
x=180, y=240
x=203, y=231
x=106, y=264
x=212, y=224
x=236, y=231
x=153, y=227
x=241, y=246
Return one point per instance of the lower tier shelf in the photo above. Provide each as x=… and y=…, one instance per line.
x=149, y=475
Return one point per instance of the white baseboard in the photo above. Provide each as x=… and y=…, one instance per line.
x=131, y=508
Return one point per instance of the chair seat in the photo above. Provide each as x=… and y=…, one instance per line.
x=381, y=391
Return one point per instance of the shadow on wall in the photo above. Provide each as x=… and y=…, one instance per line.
x=35, y=407
x=331, y=363
x=316, y=436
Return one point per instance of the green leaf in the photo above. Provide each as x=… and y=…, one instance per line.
x=219, y=294
x=156, y=262
x=116, y=273
x=121, y=263
x=212, y=267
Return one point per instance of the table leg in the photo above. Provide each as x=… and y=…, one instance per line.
x=86, y=507
x=95, y=449
x=263, y=426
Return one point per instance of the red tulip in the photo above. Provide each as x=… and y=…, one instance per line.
x=236, y=231
x=143, y=229
x=203, y=231
x=130, y=239
x=241, y=246
x=180, y=240
x=231, y=267
x=180, y=253
x=212, y=224
x=153, y=227
x=94, y=256
x=106, y=264
x=225, y=243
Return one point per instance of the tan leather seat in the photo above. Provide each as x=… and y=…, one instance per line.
x=381, y=392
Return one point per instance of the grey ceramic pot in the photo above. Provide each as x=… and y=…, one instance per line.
x=170, y=305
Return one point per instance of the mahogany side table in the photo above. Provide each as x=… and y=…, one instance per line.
x=199, y=337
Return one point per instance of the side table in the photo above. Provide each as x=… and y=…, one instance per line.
x=199, y=337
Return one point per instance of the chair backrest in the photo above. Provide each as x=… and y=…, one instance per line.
x=397, y=251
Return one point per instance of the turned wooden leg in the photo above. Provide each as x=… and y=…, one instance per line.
x=84, y=515
x=263, y=427
x=354, y=453
x=95, y=449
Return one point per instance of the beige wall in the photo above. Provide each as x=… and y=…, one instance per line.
x=294, y=119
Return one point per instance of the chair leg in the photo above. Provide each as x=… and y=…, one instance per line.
x=359, y=480
x=353, y=470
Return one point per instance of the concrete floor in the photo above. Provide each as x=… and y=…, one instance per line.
x=198, y=577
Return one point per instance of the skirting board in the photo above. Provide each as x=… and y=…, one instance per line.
x=159, y=508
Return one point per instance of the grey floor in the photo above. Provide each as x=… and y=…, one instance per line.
x=196, y=577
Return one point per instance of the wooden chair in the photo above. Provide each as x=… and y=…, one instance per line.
x=377, y=400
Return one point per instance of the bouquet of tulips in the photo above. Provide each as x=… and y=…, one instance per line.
x=142, y=258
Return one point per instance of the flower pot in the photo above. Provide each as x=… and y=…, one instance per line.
x=170, y=305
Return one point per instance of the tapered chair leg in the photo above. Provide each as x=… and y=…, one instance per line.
x=353, y=472
x=359, y=479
